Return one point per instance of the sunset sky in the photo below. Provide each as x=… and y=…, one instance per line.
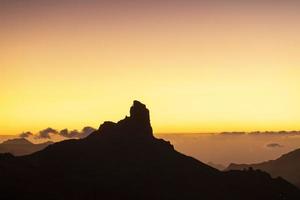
x=198, y=66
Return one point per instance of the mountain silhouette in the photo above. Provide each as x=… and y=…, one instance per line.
x=124, y=160
x=216, y=165
x=21, y=146
x=286, y=166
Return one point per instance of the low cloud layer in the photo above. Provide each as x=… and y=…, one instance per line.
x=77, y=134
x=46, y=133
x=26, y=134
x=49, y=132
x=274, y=145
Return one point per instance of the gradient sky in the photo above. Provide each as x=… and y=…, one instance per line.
x=199, y=67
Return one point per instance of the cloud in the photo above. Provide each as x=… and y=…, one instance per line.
x=77, y=134
x=64, y=132
x=26, y=134
x=45, y=134
x=86, y=131
x=48, y=132
x=274, y=145
x=69, y=134
x=233, y=133
x=275, y=133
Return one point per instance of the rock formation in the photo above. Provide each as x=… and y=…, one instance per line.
x=124, y=160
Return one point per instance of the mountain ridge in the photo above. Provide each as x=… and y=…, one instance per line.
x=124, y=160
x=21, y=146
x=286, y=166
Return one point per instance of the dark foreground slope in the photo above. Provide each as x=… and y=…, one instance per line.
x=287, y=166
x=125, y=161
x=21, y=146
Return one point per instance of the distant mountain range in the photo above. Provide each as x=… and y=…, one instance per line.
x=125, y=161
x=217, y=166
x=262, y=133
x=21, y=146
x=287, y=166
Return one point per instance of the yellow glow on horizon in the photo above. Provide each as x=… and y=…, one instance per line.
x=193, y=76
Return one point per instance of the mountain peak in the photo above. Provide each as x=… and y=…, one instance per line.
x=17, y=141
x=124, y=160
x=138, y=111
x=137, y=125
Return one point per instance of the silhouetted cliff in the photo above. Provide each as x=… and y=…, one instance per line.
x=125, y=161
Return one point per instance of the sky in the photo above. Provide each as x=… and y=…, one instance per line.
x=199, y=66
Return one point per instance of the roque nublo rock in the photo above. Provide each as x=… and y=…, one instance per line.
x=124, y=160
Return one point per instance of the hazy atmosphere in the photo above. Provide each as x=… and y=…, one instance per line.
x=149, y=99
x=201, y=66
x=224, y=148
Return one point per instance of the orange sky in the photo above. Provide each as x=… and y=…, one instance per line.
x=199, y=67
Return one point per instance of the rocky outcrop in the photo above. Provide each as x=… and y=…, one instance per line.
x=124, y=160
x=136, y=126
